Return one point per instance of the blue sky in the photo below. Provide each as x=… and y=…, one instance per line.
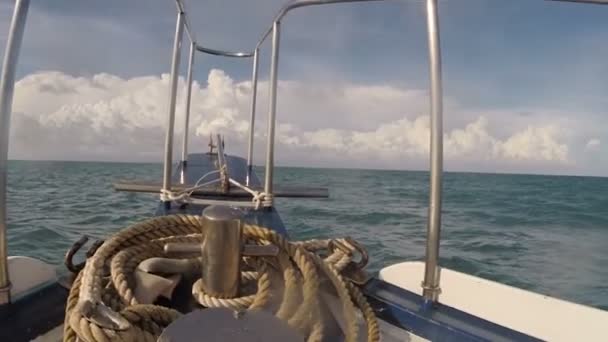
x=538, y=61
x=519, y=48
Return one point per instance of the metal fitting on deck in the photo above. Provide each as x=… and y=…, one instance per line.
x=222, y=250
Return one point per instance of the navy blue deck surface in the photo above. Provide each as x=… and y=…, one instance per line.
x=392, y=304
x=199, y=164
x=33, y=314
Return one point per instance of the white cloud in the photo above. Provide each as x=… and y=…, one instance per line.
x=592, y=144
x=58, y=116
x=534, y=143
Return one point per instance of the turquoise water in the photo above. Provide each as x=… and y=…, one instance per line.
x=544, y=233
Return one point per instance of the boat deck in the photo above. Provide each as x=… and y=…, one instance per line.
x=199, y=164
x=396, y=306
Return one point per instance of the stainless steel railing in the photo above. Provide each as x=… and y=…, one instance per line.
x=7, y=82
x=430, y=284
x=254, y=94
x=291, y=5
x=431, y=278
x=7, y=87
x=167, y=166
x=183, y=22
x=223, y=53
x=193, y=48
x=188, y=103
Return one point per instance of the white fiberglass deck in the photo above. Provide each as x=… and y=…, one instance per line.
x=531, y=313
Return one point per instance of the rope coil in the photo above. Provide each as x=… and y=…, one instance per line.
x=102, y=305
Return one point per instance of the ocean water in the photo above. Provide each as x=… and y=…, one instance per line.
x=544, y=233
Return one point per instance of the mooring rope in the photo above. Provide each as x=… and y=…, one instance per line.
x=259, y=198
x=102, y=305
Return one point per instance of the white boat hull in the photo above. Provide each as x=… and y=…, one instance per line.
x=534, y=314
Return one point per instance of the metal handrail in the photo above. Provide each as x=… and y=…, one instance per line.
x=293, y=4
x=7, y=83
x=223, y=53
x=272, y=108
x=181, y=8
x=431, y=278
x=597, y=2
x=183, y=23
x=188, y=102
x=7, y=87
x=194, y=47
x=254, y=92
x=168, y=160
x=430, y=284
x=275, y=29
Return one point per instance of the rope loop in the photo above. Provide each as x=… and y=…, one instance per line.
x=262, y=199
x=102, y=305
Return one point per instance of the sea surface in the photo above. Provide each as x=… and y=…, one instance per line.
x=544, y=233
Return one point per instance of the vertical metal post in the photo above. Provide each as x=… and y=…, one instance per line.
x=254, y=93
x=188, y=101
x=7, y=87
x=177, y=44
x=221, y=251
x=430, y=284
x=272, y=110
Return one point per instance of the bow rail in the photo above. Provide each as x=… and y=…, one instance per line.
x=7, y=83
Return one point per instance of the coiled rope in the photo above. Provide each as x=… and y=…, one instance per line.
x=102, y=305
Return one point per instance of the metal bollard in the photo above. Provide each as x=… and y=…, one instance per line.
x=221, y=251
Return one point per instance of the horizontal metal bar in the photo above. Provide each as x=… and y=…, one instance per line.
x=302, y=3
x=205, y=201
x=233, y=192
x=223, y=53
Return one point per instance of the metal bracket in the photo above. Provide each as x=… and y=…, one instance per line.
x=246, y=250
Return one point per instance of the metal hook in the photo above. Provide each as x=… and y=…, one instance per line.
x=356, y=247
x=361, y=250
x=68, y=259
x=69, y=256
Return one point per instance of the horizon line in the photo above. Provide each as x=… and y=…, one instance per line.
x=498, y=172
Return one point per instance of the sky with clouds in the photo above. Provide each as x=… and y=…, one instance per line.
x=524, y=80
